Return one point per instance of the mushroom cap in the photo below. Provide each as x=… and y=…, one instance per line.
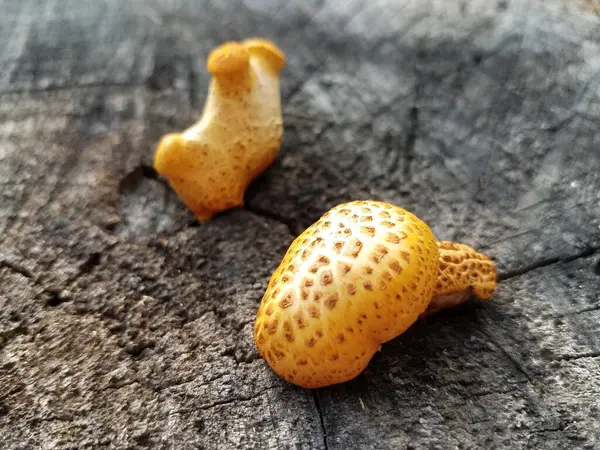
x=464, y=273
x=356, y=278
x=268, y=50
x=229, y=57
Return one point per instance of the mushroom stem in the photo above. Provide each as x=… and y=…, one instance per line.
x=463, y=272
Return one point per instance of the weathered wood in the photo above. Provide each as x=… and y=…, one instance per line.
x=125, y=324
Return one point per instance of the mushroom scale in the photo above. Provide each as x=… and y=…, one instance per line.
x=358, y=277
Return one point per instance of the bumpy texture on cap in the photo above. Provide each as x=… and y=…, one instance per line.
x=211, y=164
x=463, y=272
x=358, y=277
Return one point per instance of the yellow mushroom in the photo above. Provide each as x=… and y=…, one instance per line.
x=358, y=277
x=238, y=136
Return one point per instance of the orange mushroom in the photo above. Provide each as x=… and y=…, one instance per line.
x=358, y=277
x=239, y=134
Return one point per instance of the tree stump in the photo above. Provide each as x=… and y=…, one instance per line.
x=126, y=324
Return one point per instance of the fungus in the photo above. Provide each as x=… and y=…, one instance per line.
x=239, y=134
x=375, y=282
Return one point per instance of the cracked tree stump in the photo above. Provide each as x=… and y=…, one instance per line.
x=123, y=323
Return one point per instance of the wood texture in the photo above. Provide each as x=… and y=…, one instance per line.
x=125, y=324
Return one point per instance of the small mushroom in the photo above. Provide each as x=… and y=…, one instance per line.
x=358, y=277
x=239, y=134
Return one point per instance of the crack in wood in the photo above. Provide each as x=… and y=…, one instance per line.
x=236, y=399
x=578, y=311
x=290, y=224
x=59, y=293
x=193, y=88
x=567, y=357
x=321, y=419
x=17, y=268
x=507, y=275
x=516, y=363
x=413, y=131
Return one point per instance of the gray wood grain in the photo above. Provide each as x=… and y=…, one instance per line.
x=125, y=324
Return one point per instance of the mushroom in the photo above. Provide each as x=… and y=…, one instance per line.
x=211, y=164
x=358, y=277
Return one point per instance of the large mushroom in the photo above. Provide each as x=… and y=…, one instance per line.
x=358, y=277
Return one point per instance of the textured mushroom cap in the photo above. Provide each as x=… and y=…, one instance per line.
x=228, y=58
x=358, y=277
x=463, y=272
x=461, y=268
x=267, y=50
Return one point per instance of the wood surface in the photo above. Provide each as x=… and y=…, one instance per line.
x=125, y=324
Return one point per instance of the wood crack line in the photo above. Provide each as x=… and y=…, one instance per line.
x=573, y=357
x=545, y=263
x=17, y=268
x=323, y=430
x=87, y=266
x=237, y=399
x=413, y=132
x=267, y=214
